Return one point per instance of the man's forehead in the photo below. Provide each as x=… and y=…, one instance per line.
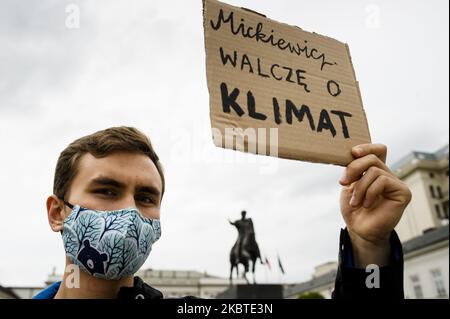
x=125, y=168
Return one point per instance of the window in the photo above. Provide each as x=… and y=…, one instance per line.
x=439, y=191
x=437, y=207
x=439, y=283
x=432, y=191
x=431, y=175
x=445, y=209
x=416, y=286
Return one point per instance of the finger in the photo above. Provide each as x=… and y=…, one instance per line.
x=382, y=185
x=363, y=184
x=356, y=168
x=379, y=150
x=345, y=196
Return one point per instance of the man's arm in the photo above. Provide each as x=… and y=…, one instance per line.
x=372, y=202
x=373, y=282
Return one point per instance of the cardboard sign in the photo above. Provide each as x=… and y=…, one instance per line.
x=267, y=78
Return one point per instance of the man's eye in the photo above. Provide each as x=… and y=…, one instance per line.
x=106, y=192
x=145, y=199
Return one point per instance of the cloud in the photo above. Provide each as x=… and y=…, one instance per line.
x=39, y=55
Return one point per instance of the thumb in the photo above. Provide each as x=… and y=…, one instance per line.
x=346, y=195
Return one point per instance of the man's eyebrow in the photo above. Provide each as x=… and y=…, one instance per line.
x=106, y=181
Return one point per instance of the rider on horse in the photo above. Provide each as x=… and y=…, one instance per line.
x=246, y=248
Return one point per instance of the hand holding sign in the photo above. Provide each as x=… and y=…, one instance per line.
x=372, y=202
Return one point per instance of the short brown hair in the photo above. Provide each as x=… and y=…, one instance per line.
x=101, y=144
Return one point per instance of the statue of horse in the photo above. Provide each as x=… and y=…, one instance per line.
x=246, y=249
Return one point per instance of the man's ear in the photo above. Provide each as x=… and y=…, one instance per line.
x=55, y=213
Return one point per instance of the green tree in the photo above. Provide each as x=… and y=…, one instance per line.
x=311, y=295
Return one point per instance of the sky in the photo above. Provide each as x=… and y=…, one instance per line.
x=142, y=64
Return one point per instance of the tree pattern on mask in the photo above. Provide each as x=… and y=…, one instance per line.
x=134, y=231
x=116, y=221
x=124, y=236
x=87, y=226
x=145, y=238
x=70, y=241
x=73, y=215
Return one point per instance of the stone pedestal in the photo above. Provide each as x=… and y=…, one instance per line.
x=253, y=291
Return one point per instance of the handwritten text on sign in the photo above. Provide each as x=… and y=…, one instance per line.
x=264, y=74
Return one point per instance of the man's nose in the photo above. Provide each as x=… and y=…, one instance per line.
x=128, y=201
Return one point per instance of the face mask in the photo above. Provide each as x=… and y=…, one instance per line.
x=109, y=244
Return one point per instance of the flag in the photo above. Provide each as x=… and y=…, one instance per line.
x=266, y=262
x=280, y=265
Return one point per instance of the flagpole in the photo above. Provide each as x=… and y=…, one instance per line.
x=280, y=269
x=265, y=272
x=267, y=264
x=265, y=267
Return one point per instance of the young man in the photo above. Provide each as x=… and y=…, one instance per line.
x=106, y=200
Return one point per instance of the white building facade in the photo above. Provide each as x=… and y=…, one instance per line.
x=426, y=174
x=423, y=231
x=181, y=283
x=426, y=274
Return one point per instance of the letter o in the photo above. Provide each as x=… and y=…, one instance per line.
x=337, y=88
